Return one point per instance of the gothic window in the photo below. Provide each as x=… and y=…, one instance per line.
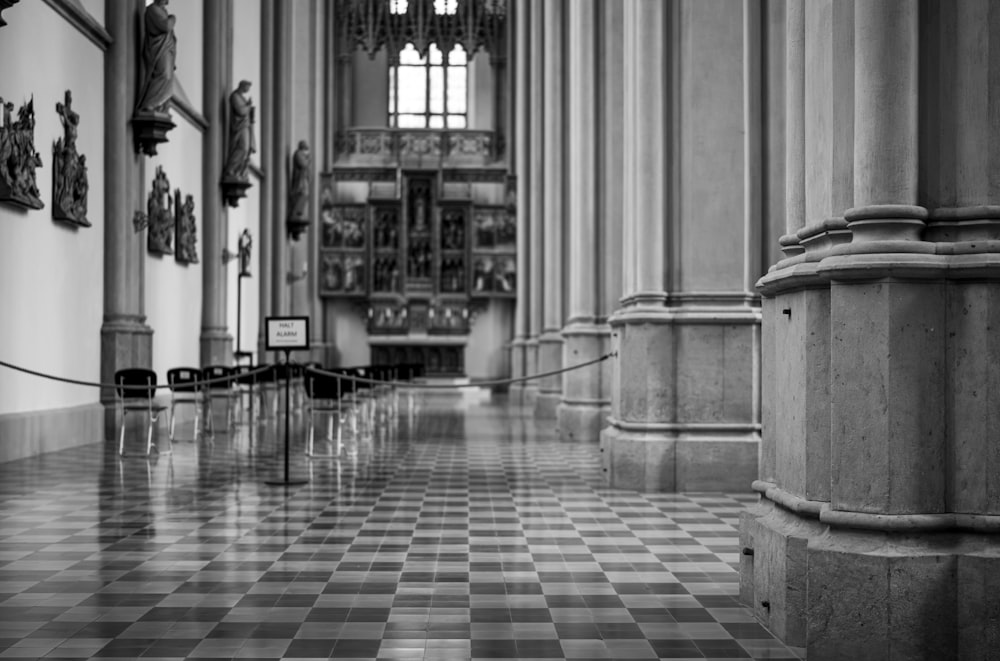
x=429, y=91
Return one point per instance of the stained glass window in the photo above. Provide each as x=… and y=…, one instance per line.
x=430, y=91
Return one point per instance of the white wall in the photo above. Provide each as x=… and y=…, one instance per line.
x=51, y=292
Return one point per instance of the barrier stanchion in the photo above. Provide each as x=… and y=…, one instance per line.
x=286, y=334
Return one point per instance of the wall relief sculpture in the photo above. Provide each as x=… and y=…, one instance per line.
x=160, y=216
x=159, y=52
x=18, y=158
x=242, y=143
x=186, y=229
x=69, y=169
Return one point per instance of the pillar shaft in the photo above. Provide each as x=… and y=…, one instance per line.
x=522, y=174
x=536, y=186
x=265, y=239
x=216, y=343
x=280, y=157
x=580, y=410
x=795, y=129
x=126, y=341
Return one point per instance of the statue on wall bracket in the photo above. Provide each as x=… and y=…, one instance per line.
x=18, y=158
x=159, y=51
x=186, y=230
x=298, y=192
x=69, y=169
x=160, y=216
x=235, y=171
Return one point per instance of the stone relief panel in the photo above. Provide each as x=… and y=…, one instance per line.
x=160, y=216
x=69, y=169
x=186, y=230
x=18, y=157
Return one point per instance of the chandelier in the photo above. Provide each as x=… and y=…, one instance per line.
x=373, y=24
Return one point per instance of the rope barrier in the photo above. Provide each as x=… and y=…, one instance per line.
x=265, y=368
x=130, y=386
x=444, y=386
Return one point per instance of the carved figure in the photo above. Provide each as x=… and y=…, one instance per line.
x=159, y=208
x=186, y=229
x=69, y=175
x=482, y=274
x=453, y=231
x=504, y=275
x=241, y=138
x=159, y=51
x=298, y=191
x=246, y=242
x=18, y=158
x=333, y=275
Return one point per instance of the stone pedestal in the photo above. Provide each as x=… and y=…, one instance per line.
x=549, y=388
x=216, y=347
x=530, y=393
x=517, y=354
x=586, y=403
x=683, y=420
x=126, y=341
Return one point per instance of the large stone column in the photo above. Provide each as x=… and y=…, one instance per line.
x=553, y=282
x=279, y=160
x=522, y=56
x=267, y=132
x=215, y=341
x=580, y=411
x=126, y=340
x=876, y=535
x=684, y=415
x=536, y=185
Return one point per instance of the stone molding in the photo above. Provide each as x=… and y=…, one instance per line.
x=680, y=427
x=905, y=523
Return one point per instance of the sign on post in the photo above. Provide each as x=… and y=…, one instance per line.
x=287, y=333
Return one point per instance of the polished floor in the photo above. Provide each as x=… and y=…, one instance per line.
x=456, y=532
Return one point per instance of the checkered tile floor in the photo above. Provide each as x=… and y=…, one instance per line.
x=456, y=534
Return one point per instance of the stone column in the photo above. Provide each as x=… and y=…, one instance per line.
x=215, y=340
x=266, y=118
x=536, y=187
x=279, y=160
x=684, y=416
x=126, y=340
x=553, y=116
x=580, y=411
x=795, y=125
x=638, y=445
x=522, y=57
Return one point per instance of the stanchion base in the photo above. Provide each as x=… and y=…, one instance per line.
x=287, y=483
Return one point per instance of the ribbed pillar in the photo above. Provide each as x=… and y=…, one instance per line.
x=638, y=445
x=795, y=125
x=610, y=165
x=126, y=340
x=553, y=281
x=536, y=185
x=279, y=168
x=215, y=340
x=265, y=239
x=580, y=410
x=522, y=58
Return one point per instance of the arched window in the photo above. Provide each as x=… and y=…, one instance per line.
x=429, y=92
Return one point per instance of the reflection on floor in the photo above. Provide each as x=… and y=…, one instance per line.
x=450, y=534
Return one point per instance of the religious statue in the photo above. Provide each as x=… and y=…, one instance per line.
x=241, y=137
x=159, y=50
x=246, y=242
x=298, y=191
x=69, y=175
x=18, y=158
x=186, y=230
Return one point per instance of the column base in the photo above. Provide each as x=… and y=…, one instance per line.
x=845, y=593
x=126, y=341
x=546, y=404
x=582, y=423
x=550, y=387
x=216, y=347
x=678, y=458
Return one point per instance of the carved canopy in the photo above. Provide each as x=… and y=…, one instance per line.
x=373, y=24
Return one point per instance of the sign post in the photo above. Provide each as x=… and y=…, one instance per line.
x=287, y=334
